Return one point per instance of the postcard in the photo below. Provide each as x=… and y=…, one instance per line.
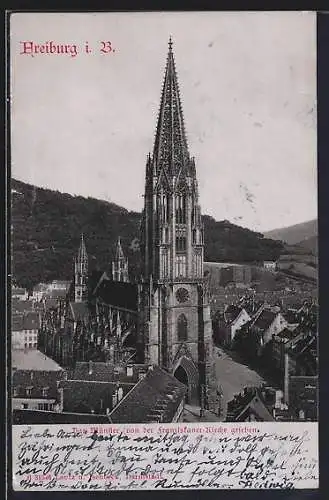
x=164, y=302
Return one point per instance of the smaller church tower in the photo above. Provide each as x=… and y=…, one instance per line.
x=81, y=273
x=120, y=265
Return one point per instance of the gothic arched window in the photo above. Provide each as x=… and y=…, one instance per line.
x=182, y=328
x=181, y=208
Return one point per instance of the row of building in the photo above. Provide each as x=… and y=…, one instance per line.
x=224, y=274
x=285, y=342
x=42, y=291
x=42, y=391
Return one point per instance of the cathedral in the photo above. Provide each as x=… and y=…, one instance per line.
x=175, y=314
x=164, y=318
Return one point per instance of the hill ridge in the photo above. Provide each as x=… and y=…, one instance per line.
x=47, y=225
x=296, y=233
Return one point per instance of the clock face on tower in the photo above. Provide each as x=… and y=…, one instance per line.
x=182, y=295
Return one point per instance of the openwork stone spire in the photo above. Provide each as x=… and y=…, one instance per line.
x=120, y=264
x=172, y=232
x=82, y=254
x=170, y=147
x=81, y=273
x=119, y=255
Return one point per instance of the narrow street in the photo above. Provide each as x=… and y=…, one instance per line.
x=233, y=376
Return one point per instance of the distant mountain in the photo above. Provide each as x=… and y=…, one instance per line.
x=296, y=234
x=47, y=226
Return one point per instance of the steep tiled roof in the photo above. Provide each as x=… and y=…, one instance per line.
x=252, y=306
x=51, y=417
x=18, y=291
x=94, y=279
x=32, y=360
x=101, y=372
x=17, y=323
x=31, y=321
x=89, y=396
x=290, y=316
x=105, y=372
x=286, y=334
x=21, y=306
x=257, y=408
x=79, y=310
x=59, y=293
x=51, y=303
x=119, y=294
x=232, y=312
x=27, y=321
x=35, y=381
x=250, y=402
x=302, y=342
x=265, y=319
x=156, y=397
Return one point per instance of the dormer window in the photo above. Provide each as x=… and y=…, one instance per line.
x=29, y=391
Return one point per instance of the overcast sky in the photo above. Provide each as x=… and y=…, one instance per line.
x=84, y=124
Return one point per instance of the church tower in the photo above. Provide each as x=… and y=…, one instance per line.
x=120, y=265
x=177, y=332
x=81, y=273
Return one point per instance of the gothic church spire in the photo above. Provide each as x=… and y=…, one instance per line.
x=82, y=253
x=120, y=264
x=81, y=273
x=170, y=151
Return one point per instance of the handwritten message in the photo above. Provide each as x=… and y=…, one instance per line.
x=165, y=456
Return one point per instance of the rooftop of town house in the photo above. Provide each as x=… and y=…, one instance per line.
x=22, y=359
x=89, y=396
x=249, y=402
x=107, y=372
x=25, y=321
x=265, y=319
x=21, y=306
x=156, y=397
x=36, y=381
x=232, y=312
x=286, y=334
x=18, y=291
x=26, y=416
